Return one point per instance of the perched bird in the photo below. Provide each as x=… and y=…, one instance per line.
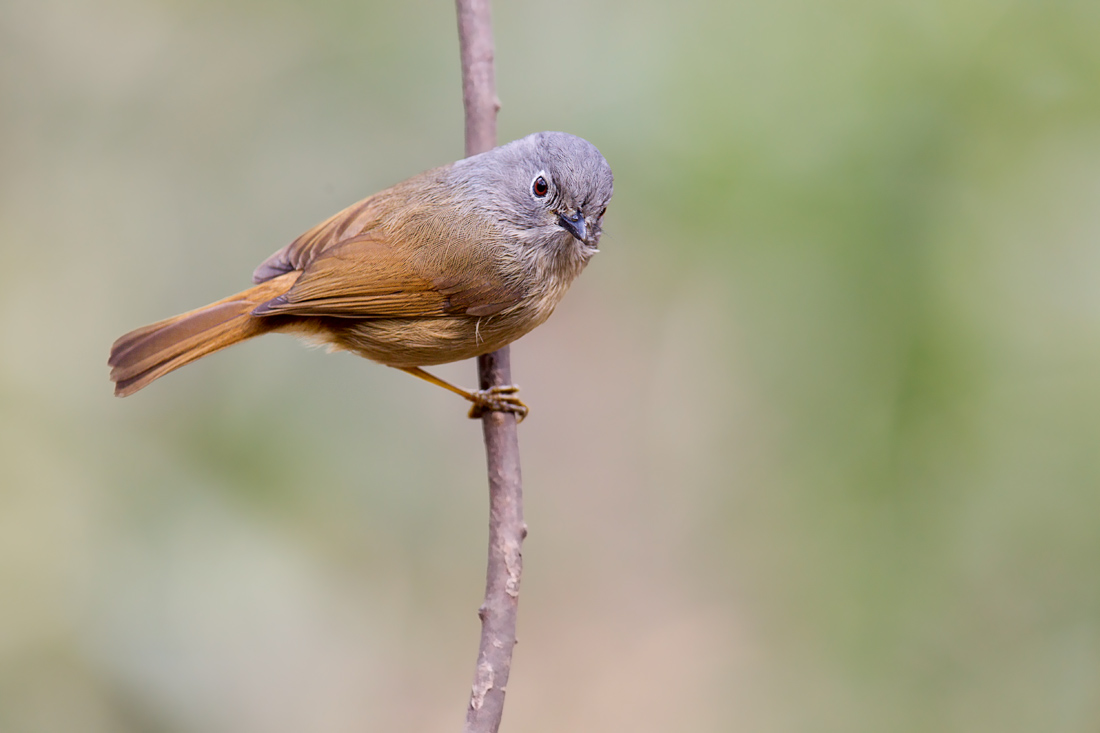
x=455, y=262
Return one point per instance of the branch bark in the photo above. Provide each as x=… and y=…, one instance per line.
x=506, y=526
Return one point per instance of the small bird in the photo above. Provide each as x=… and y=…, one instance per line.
x=453, y=263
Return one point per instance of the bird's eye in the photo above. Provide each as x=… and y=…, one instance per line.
x=540, y=187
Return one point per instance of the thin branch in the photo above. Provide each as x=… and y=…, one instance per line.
x=479, y=87
x=506, y=527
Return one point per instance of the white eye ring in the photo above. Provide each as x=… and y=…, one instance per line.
x=540, y=187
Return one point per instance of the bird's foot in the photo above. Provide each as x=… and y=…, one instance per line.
x=502, y=398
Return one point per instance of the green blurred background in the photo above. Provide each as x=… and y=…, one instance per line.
x=815, y=441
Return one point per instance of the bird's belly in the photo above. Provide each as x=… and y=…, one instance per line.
x=408, y=342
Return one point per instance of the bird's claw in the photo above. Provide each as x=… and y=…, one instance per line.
x=502, y=398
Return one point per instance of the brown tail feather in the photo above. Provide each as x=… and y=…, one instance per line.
x=150, y=352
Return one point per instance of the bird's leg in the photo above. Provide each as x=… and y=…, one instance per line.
x=503, y=398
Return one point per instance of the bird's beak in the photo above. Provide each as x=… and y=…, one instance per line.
x=574, y=224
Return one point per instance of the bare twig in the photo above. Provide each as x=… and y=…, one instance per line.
x=479, y=87
x=506, y=527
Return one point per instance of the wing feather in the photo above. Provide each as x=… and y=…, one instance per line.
x=345, y=225
x=368, y=278
x=381, y=258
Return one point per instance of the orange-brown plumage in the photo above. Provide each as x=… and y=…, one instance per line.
x=452, y=263
x=143, y=355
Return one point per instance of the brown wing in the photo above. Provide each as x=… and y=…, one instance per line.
x=349, y=223
x=366, y=277
x=420, y=263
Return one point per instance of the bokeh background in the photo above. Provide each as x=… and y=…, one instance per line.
x=815, y=441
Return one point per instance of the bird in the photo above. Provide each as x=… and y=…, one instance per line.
x=452, y=263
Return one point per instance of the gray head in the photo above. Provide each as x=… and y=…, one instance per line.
x=549, y=188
